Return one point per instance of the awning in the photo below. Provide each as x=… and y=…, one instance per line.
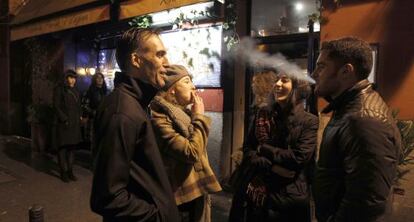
x=42, y=16
x=39, y=17
x=16, y=5
x=38, y=8
x=135, y=8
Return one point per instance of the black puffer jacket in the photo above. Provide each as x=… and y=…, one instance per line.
x=358, y=157
x=290, y=149
x=130, y=182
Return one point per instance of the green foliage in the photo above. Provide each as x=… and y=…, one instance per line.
x=229, y=26
x=144, y=21
x=317, y=17
x=231, y=41
x=406, y=128
x=190, y=62
x=205, y=52
x=183, y=21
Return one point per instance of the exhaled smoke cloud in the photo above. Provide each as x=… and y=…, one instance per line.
x=247, y=51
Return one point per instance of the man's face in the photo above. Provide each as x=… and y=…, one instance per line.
x=153, y=62
x=328, y=83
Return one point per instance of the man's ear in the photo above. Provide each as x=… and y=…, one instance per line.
x=135, y=60
x=347, y=71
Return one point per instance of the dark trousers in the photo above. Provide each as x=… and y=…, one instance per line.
x=66, y=157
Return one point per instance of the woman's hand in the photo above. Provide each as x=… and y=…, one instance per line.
x=260, y=161
x=198, y=104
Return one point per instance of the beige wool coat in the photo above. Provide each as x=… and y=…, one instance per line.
x=182, y=139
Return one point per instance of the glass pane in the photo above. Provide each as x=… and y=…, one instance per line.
x=108, y=66
x=199, y=50
x=280, y=17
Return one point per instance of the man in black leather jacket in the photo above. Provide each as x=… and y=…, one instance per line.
x=360, y=146
x=130, y=183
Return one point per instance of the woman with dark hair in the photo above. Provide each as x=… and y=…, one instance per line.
x=95, y=93
x=278, y=153
x=91, y=100
x=67, y=105
x=182, y=137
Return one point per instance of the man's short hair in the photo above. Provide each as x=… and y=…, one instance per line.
x=131, y=41
x=351, y=50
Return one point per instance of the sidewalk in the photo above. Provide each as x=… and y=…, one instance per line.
x=35, y=181
x=26, y=180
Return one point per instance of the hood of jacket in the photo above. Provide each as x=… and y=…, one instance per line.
x=135, y=88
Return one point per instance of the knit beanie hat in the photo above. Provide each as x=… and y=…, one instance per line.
x=70, y=73
x=174, y=73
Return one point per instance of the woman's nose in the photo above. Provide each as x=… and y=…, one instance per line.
x=278, y=83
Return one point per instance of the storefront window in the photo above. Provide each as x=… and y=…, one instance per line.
x=199, y=50
x=85, y=59
x=282, y=17
x=108, y=66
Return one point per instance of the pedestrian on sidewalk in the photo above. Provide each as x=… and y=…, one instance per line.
x=360, y=146
x=130, y=182
x=182, y=137
x=67, y=105
x=91, y=101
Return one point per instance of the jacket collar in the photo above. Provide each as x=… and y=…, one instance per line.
x=141, y=91
x=179, y=116
x=288, y=111
x=347, y=96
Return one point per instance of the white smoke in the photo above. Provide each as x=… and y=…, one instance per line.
x=247, y=51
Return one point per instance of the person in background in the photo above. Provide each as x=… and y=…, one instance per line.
x=279, y=152
x=182, y=137
x=361, y=144
x=96, y=92
x=91, y=100
x=129, y=181
x=262, y=86
x=67, y=105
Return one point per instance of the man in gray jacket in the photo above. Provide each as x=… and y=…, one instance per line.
x=130, y=182
x=361, y=144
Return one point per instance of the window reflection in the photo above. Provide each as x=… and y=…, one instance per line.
x=282, y=17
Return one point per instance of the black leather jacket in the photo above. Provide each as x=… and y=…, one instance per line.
x=358, y=157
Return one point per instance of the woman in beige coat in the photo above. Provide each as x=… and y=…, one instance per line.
x=182, y=137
